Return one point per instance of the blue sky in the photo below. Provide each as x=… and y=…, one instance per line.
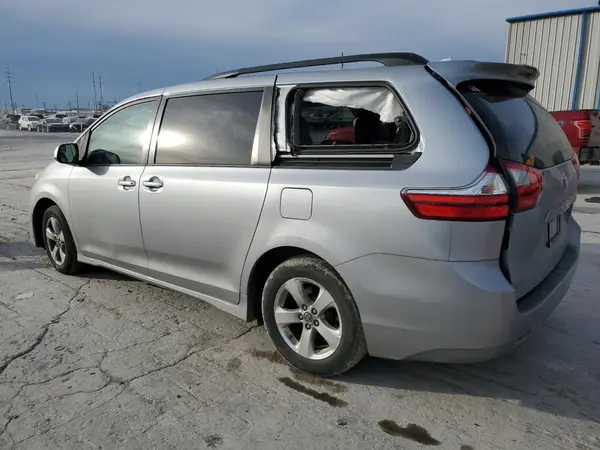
x=52, y=47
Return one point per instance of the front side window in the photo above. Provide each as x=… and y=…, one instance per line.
x=210, y=129
x=349, y=117
x=123, y=137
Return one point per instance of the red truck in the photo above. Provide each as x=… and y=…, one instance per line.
x=582, y=128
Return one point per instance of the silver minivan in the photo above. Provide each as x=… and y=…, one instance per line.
x=411, y=211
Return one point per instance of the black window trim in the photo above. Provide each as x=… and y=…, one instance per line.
x=225, y=90
x=347, y=151
x=85, y=137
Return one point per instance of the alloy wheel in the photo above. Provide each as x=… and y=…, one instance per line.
x=56, y=241
x=308, y=318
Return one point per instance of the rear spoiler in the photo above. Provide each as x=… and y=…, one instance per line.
x=456, y=72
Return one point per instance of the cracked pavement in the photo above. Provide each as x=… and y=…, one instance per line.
x=104, y=361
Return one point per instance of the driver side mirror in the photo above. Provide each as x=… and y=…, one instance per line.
x=67, y=154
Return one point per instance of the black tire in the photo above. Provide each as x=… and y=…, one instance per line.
x=70, y=265
x=352, y=347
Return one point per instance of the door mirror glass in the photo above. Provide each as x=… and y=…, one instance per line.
x=67, y=154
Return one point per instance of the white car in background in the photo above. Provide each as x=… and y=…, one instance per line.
x=29, y=123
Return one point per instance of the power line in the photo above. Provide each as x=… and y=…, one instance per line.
x=101, y=96
x=94, y=84
x=9, y=82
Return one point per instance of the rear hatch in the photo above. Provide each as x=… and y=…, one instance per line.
x=532, y=149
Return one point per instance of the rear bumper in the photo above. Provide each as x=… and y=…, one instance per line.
x=450, y=311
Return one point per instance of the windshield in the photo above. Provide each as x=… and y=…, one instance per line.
x=53, y=121
x=34, y=118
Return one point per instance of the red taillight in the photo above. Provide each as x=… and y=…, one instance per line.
x=575, y=161
x=584, y=128
x=529, y=182
x=484, y=200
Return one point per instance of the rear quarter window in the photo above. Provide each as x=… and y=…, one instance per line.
x=522, y=129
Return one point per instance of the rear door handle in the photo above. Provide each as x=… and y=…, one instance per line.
x=153, y=183
x=126, y=182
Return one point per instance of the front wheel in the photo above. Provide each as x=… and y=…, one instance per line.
x=59, y=242
x=311, y=317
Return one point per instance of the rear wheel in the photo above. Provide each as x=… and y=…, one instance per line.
x=59, y=242
x=311, y=317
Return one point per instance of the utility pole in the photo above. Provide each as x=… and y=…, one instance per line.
x=44, y=105
x=94, y=84
x=342, y=57
x=77, y=102
x=101, y=97
x=9, y=82
x=37, y=101
x=70, y=105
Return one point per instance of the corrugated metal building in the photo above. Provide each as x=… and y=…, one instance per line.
x=565, y=47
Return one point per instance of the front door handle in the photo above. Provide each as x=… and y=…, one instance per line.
x=126, y=182
x=153, y=183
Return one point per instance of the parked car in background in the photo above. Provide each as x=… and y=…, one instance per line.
x=52, y=125
x=29, y=123
x=400, y=242
x=78, y=125
x=13, y=121
x=582, y=128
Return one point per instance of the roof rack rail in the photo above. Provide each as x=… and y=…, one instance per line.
x=386, y=59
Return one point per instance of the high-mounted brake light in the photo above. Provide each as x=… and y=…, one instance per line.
x=584, y=128
x=484, y=200
x=487, y=199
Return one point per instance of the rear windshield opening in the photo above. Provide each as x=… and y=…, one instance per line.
x=522, y=129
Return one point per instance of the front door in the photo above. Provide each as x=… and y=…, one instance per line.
x=201, y=198
x=104, y=189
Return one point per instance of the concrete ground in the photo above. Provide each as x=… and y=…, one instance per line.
x=103, y=361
